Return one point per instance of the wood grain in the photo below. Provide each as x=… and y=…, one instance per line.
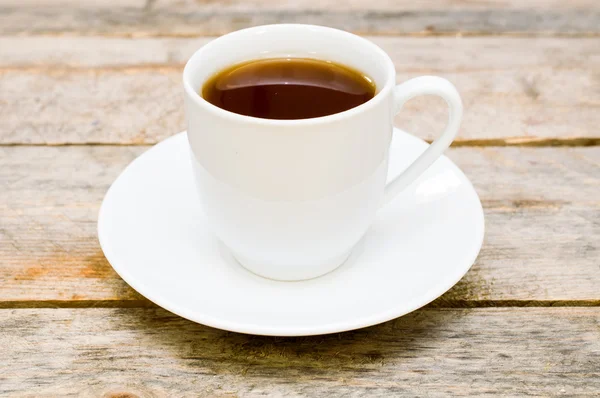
x=542, y=227
x=434, y=353
x=209, y=17
x=128, y=91
x=434, y=54
x=75, y=73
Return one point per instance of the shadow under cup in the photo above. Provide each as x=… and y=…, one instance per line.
x=290, y=198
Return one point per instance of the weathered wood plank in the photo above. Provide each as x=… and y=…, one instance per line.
x=434, y=353
x=206, y=17
x=542, y=226
x=433, y=54
x=95, y=90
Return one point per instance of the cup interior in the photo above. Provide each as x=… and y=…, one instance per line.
x=290, y=40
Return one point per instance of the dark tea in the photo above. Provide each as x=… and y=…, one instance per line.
x=288, y=88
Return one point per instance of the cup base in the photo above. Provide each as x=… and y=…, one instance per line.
x=291, y=273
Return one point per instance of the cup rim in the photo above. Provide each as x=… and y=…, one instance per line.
x=373, y=102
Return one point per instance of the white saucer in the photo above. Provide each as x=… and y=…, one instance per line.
x=419, y=247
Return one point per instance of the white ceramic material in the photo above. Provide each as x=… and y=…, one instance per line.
x=153, y=232
x=291, y=198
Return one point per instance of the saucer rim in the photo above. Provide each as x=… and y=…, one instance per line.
x=285, y=331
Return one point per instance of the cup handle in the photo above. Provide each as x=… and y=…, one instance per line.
x=424, y=85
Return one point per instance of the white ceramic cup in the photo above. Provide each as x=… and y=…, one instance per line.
x=291, y=198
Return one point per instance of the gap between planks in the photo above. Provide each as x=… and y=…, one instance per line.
x=492, y=142
x=174, y=35
x=440, y=303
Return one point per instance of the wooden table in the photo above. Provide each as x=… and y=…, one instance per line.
x=87, y=86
